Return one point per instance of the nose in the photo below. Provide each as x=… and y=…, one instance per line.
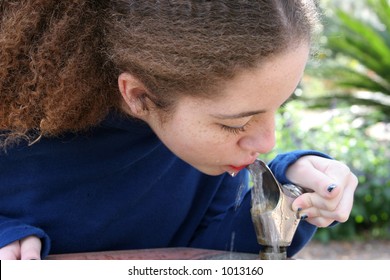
x=259, y=137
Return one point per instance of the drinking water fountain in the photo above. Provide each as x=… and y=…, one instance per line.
x=274, y=220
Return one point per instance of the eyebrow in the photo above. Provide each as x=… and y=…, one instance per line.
x=239, y=115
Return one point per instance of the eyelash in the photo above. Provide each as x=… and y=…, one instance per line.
x=284, y=105
x=286, y=102
x=235, y=130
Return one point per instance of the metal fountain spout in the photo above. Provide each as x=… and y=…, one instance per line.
x=272, y=215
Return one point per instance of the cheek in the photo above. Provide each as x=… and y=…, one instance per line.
x=213, y=137
x=195, y=140
x=218, y=147
x=204, y=142
x=182, y=136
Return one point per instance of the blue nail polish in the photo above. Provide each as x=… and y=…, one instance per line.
x=304, y=217
x=331, y=187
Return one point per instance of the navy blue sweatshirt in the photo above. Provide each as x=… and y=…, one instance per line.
x=117, y=187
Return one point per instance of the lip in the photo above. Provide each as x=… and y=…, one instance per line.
x=238, y=168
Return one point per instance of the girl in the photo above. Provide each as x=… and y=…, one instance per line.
x=122, y=122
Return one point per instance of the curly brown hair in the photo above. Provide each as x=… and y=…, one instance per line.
x=60, y=60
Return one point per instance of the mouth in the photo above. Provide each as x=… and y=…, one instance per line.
x=237, y=168
x=234, y=169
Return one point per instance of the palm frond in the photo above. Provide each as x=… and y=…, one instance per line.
x=360, y=60
x=382, y=9
x=347, y=77
x=362, y=42
x=343, y=99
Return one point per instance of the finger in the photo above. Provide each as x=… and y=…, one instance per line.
x=11, y=251
x=320, y=221
x=314, y=200
x=334, y=169
x=341, y=212
x=312, y=213
x=307, y=175
x=30, y=248
x=346, y=203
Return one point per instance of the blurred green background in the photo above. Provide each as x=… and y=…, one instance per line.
x=342, y=107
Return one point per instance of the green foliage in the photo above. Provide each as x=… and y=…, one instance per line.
x=355, y=59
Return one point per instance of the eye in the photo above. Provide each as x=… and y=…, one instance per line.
x=285, y=103
x=234, y=130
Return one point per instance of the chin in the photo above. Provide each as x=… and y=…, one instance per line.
x=210, y=171
x=214, y=173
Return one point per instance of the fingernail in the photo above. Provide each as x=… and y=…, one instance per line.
x=304, y=216
x=331, y=187
x=298, y=216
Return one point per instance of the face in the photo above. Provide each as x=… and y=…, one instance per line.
x=228, y=133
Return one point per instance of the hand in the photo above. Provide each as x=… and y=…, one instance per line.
x=333, y=184
x=28, y=248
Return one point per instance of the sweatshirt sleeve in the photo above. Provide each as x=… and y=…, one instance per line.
x=12, y=230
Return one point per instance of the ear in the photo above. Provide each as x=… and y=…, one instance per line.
x=134, y=94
